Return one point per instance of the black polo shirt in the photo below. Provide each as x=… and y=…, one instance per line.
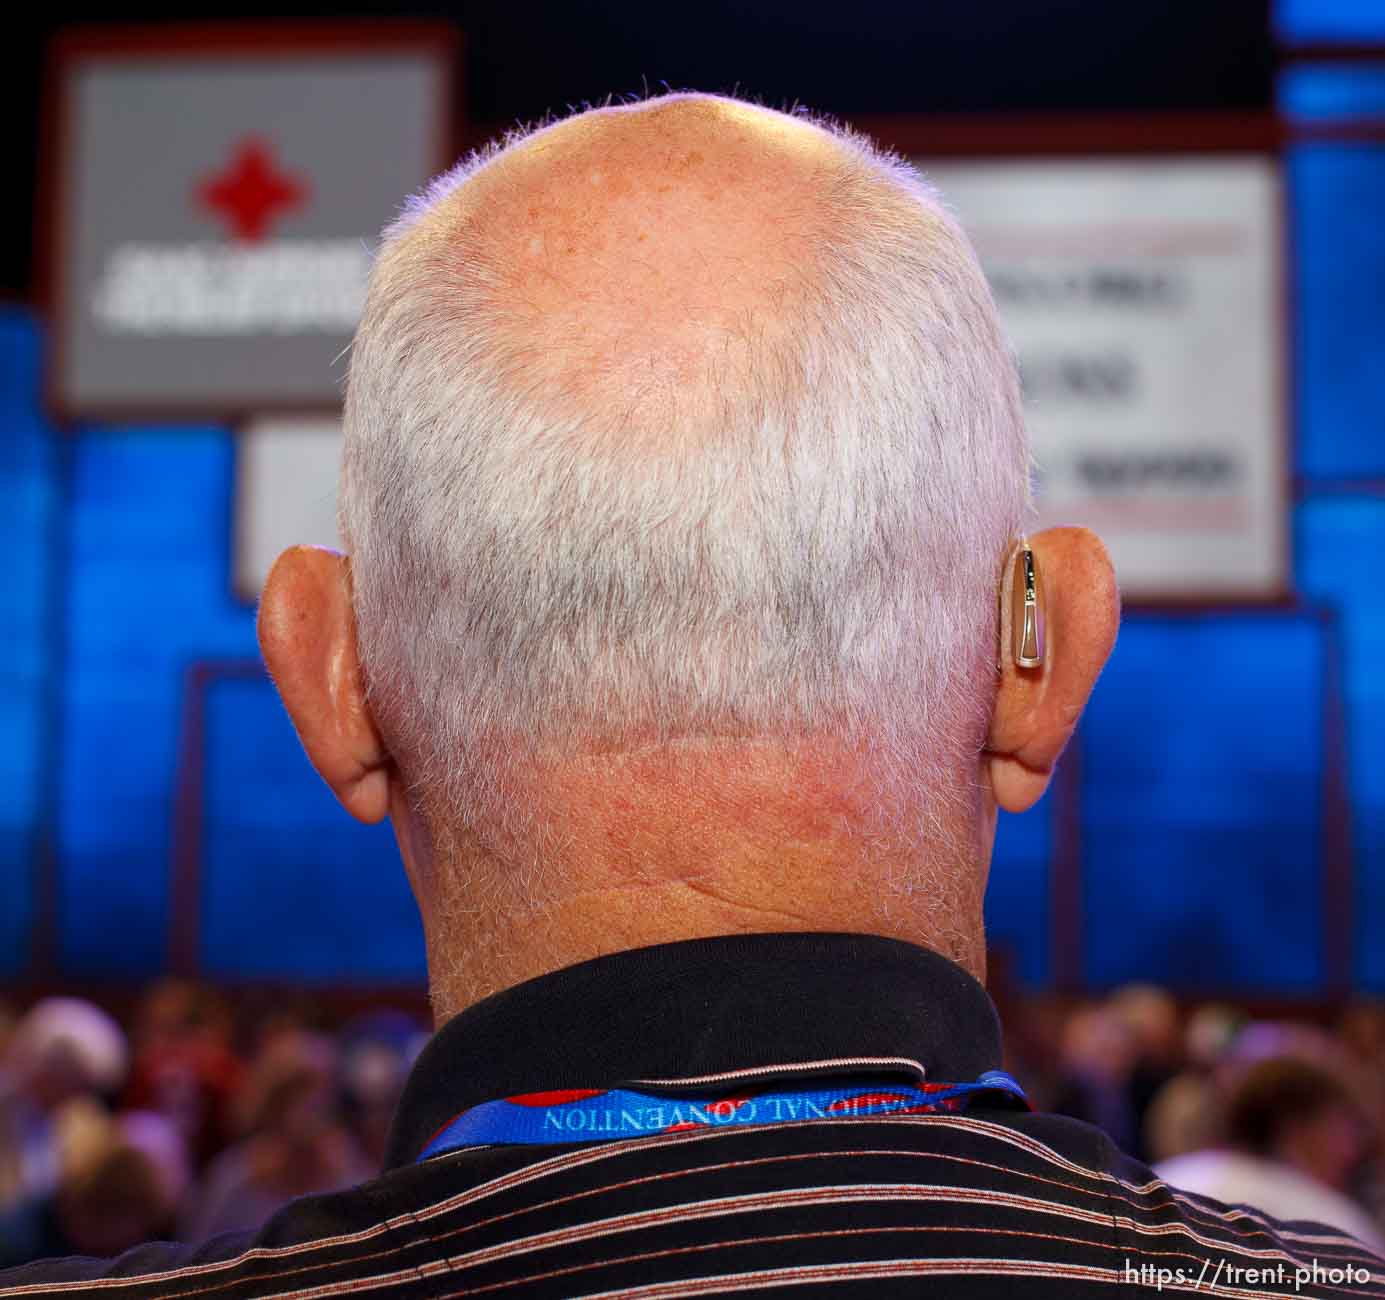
x=995, y=1201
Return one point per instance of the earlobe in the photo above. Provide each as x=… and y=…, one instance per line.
x=1038, y=704
x=308, y=638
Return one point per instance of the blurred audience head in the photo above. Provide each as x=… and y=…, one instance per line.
x=176, y=1011
x=1212, y=1028
x=1098, y=1044
x=8, y=1020
x=1289, y=1110
x=65, y=1047
x=160, y=1141
x=1150, y=1013
x=291, y=1089
x=377, y=1051
x=121, y=1179
x=1362, y=1031
x=184, y=1067
x=1186, y=1114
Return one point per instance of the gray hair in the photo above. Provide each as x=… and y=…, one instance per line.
x=826, y=566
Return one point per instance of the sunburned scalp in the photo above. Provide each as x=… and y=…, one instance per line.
x=641, y=258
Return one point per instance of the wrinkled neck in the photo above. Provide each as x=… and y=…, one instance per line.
x=636, y=849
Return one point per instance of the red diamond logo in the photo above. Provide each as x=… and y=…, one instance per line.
x=251, y=193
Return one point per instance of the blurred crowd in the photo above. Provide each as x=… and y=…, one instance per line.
x=1286, y=1114
x=197, y=1118
x=200, y=1116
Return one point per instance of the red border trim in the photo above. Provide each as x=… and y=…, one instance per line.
x=1338, y=865
x=1358, y=131
x=185, y=865
x=263, y=38
x=1291, y=52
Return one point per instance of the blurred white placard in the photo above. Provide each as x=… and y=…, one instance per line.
x=286, y=492
x=1143, y=297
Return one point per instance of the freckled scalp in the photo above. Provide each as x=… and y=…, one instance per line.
x=639, y=251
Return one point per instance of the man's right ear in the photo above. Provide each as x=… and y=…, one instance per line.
x=307, y=631
x=1037, y=705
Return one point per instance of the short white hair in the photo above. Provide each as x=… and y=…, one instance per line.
x=827, y=566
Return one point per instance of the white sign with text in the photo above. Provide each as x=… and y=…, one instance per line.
x=1143, y=298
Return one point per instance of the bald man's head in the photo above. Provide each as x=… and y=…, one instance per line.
x=638, y=252
x=681, y=419
x=643, y=260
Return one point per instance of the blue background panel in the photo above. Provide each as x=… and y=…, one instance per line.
x=30, y=505
x=1351, y=21
x=293, y=888
x=1202, y=773
x=1338, y=198
x=1019, y=916
x=147, y=593
x=1332, y=91
x=1341, y=546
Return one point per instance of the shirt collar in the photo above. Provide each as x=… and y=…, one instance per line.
x=700, y=1007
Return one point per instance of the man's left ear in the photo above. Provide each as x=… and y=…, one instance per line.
x=307, y=631
x=1037, y=708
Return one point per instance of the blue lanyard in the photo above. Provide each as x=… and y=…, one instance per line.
x=610, y=1114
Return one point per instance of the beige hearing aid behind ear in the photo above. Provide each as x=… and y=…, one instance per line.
x=1027, y=615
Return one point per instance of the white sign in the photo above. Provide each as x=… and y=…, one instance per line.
x=216, y=197
x=286, y=492
x=1143, y=298
x=203, y=289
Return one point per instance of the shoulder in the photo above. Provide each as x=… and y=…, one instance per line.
x=1124, y=1224
x=1172, y=1238
x=307, y=1235
x=155, y=1260
x=317, y=1239
x=1280, y=1191
x=959, y=1202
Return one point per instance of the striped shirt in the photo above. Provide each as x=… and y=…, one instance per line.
x=989, y=1202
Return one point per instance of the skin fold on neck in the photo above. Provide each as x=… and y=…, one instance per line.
x=640, y=849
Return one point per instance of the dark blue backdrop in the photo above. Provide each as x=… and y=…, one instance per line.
x=1205, y=810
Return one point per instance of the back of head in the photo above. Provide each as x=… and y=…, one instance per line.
x=115, y=1202
x=679, y=421
x=65, y=1046
x=1294, y=1111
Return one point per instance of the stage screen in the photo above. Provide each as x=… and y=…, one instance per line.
x=1144, y=299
